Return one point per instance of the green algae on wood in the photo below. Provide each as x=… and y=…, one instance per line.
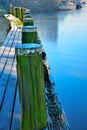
x=22, y=13
x=14, y=11
x=29, y=34
x=31, y=86
x=28, y=22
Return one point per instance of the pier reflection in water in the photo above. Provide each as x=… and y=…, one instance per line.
x=64, y=37
x=47, y=27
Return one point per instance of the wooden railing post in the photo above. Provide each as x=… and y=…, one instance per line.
x=31, y=86
x=29, y=34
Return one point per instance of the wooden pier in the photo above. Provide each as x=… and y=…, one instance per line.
x=10, y=113
x=9, y=99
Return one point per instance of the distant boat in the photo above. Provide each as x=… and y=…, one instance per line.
x=86, y=3
x=83, y=3
x=64, y=5
x=78, y=6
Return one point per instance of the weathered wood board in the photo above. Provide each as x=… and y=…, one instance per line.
x=9, y=98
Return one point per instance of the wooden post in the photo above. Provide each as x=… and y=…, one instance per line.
x=27, y=11
x=29, y=34
x=27, y=15
x=14, y=13
x=11, y=9
x=31, y=86
x=28, y=22
x=22, y=14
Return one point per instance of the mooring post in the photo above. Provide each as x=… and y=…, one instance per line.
x=11, y=9
x=29, y=34
x=27, y=11
x=16, y=12
x=27, y=14
x=31, y=86
x=28, y=22
x=22, y=14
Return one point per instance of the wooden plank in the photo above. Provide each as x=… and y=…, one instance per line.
x=4, y=80
x=8, y=43
x=11, y=52
x=6, y=50
x=7, y=54
x=2, y=50
x=15, y=42
x=8, y=37
x=9, y=100
x=16, y=115
x=2, y=65
x=11, y=32
x=17, y=39
x=8, y=83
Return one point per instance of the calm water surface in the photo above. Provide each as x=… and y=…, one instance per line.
x=64, y=37
x=3, y=29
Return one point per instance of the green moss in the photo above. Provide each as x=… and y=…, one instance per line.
x=29, y=37
x=30, y=23
x=31, y=91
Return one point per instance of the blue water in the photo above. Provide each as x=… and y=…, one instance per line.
x=64, y=37
x=3, y=28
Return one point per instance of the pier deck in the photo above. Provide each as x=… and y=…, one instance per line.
x=9, y=99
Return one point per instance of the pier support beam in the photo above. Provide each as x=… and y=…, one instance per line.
x=31, y=86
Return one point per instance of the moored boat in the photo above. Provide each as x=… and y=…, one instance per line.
x=64, y=5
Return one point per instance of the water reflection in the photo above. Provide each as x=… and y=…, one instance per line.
x=3, y=29
x=64, y=37
x=47, y=24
